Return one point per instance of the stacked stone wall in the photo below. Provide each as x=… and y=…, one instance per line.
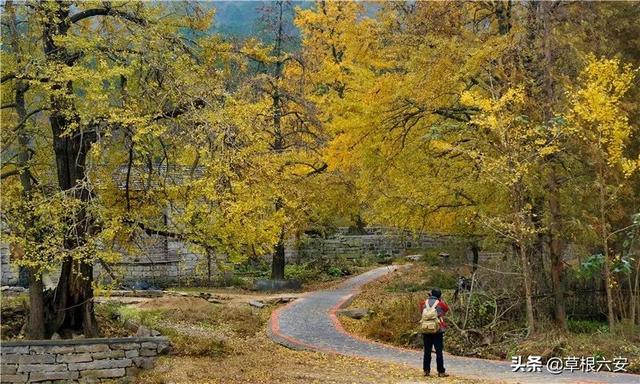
x=8, y=272
x=79, y=360
x=353, y=246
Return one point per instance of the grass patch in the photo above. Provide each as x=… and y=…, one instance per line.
x=195, y=326
x=587, y=326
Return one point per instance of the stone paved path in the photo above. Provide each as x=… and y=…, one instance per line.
x=310, y=323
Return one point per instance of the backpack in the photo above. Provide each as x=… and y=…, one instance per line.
x=429, y=322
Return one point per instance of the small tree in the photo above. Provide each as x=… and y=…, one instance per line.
x=601, y=125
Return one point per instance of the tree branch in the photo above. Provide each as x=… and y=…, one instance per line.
x=9, y=174
x=107, y=11
x=180, y=110
x=8, y=77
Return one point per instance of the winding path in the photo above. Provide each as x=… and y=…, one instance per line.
x=310, y=323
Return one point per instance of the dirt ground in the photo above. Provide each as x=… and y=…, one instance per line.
x=259, y=360
x=250, y=356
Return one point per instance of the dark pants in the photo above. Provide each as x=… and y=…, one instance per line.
x=433, y=341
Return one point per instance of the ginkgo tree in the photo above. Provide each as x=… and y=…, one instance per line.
x=603, y=131
x=119, y=128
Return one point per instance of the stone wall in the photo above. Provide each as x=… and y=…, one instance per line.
x=167, y=264
x=374, y=242
x=79, y=360
x=8, y=272
x=160, y=262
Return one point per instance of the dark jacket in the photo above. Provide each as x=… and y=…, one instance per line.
x=442, y=308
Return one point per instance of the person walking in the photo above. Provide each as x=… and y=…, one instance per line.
x=434, y=339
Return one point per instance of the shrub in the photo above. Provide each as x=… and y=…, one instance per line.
x=441, y=279
x=303, y=272
x=233, y=281
x=394, y=321
x=587, y=326
x=431, y=259
x=334, y=272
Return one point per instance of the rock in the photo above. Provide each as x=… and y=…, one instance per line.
x=277, y=285
x=257, y=303
x=29, y=359
x=74, y=358
x=413, y=257
x=143, y=362
x=100, y=364
x=155, y=332
x=93, y=348
x=77, y=336
x=42, y=376
x=164, y=349
x=215, y=301
x=55, y=336
x=354, y=313
x=143, y=331
x=15, y=378
x=103, y=373
x=204, y=295
x=41, y=368
x=131, y=325
x=142, y=286
x=116, y=354
x=12, y=289
x=278, y=300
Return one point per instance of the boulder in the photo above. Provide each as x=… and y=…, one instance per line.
x=143, y=331
x=413, y=257
x=277, y=285
x=130, y=325
x=354, y=313
x=257, y=303
x=278, y=300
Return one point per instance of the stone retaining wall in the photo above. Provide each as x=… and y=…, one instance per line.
x=8, y=273
x=166, y=262
x=79, y=360
x=353, y=246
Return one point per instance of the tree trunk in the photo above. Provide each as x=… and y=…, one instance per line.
x=36, y=323
x=208, y=268
x=605, y=249
x=36, y=326
x=70, y=309
x=544, y=24
x=635, y=296
x=278, y=262
x=475, y=251
x=555, y=252
x=524, y=259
